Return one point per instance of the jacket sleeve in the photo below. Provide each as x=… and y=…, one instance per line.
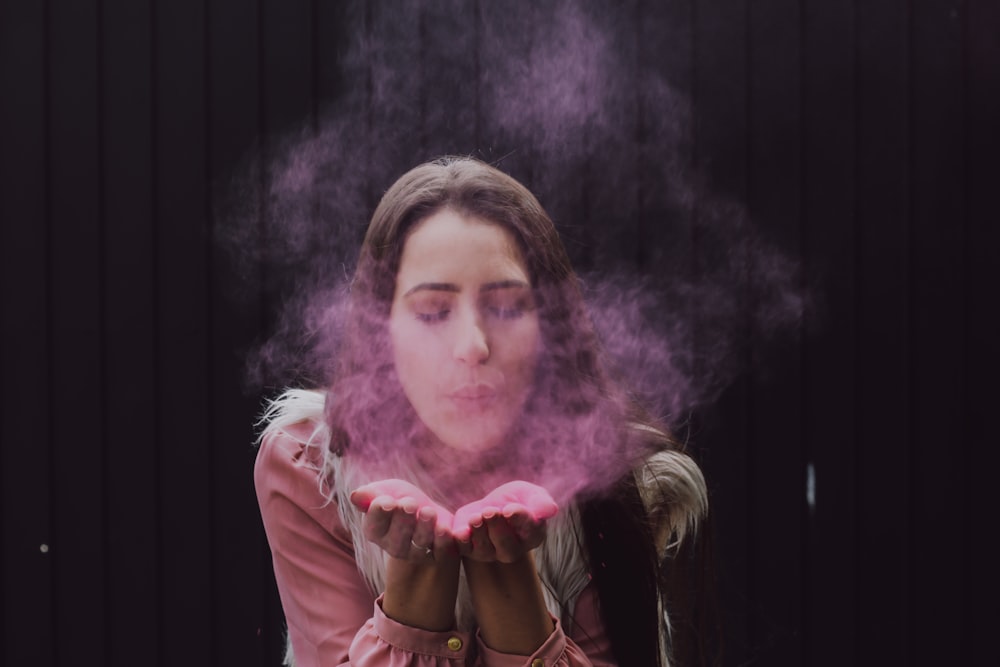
x=586, y=645
x=333, y=617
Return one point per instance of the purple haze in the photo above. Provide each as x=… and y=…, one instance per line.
x=561, y=97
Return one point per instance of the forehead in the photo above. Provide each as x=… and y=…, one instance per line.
x=448, y=246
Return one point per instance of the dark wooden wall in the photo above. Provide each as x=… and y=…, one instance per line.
x=862, y=136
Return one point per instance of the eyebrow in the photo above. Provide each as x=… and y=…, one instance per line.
x=451, y=287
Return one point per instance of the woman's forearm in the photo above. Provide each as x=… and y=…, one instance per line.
x=421, y=595
x=509, y=604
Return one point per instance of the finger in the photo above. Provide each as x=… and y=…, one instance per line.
x=443, y=537
x=524, y=523
x=445, y=521
x=384, y=502
x=536, y=498
x=540, y=504
x=362, y=497
x=464, y=549
x=420, y=552
x=444, y=542
x=462, y=525
x=423, y=531
x=460, y=520
x=506, y=545
x=376, y=523
x=518, y=515
x=527, y=528
x=482, y=547
x=476, y=520
x=397, y=541
x=408, y=504
x=511, y=510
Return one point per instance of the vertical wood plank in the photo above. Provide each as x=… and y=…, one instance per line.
x=450, y=80
x=249, y=626
x=26, y=573
x=604, y=148
x=287, y=72
x=938, y=294
x=883, y=310
x=720, y=147
x=981, y=357
x=396, y=104
x=287, y=107
x=830, y=372
x=78, y=348
x=346, y=191
x=777, y=459
x=653, y=189
x=129, y=331
x=507, y=36
x=663, y=162
x=182, y=313
x=336, y=29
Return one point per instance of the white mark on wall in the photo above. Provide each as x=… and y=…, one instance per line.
x=811, y=487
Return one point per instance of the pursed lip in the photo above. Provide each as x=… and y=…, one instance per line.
x=474, y=392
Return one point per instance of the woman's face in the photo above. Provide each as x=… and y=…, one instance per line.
x=464, y=329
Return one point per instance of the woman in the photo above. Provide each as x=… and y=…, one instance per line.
x=436, y=504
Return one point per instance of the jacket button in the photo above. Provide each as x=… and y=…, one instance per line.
x=455, y=644
x=537, y=662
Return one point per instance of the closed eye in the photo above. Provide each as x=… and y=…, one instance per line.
x=507, y=303
x=434, y=316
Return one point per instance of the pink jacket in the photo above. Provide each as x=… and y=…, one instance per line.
x=334, y=618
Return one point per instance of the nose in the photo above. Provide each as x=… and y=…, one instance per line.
x=471, y=346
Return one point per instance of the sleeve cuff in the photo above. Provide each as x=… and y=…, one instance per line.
x=450, y=645
x=547, y=655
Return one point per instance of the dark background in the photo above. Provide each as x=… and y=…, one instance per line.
x=860, y=137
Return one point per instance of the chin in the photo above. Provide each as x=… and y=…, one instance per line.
x=463, y=429
x=471, y=443
x=474, y=438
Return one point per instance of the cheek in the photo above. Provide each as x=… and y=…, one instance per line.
x=418, y=361
x=524, y=350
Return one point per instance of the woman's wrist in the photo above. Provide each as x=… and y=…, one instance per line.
x=509, y=604
x=421, y=595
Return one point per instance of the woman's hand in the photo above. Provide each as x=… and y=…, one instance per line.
x=404, y=521
x=506, y=524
